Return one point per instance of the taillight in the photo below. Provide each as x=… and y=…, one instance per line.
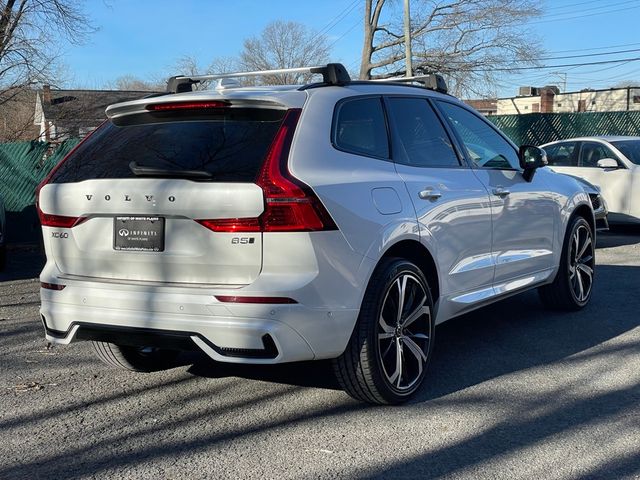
x=171, y=106
x=48, y=220
x=290, y=205
x=52, y=286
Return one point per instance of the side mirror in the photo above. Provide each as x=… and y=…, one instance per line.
x=607, y=163
x=531, y=158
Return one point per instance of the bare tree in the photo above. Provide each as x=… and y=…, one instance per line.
x=130, y=82
x=469, y=41
x=284, y=45
x=28, y=33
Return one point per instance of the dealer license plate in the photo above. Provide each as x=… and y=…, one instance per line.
x=141, y=234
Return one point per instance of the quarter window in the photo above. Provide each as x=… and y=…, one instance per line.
x=422, y=140
x=360, y=128
x=484, y=146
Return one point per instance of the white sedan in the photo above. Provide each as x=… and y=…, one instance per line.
x=612, y=163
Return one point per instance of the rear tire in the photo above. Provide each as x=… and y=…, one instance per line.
x=3, y=257
x=388, y=354
x=137, y=359
x=572, y=287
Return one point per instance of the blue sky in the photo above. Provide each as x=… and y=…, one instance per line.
x=145, y=38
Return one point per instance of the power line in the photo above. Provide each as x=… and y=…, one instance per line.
x=591, y=9
x=344, y=34
x=338, y=18
x=581, y=16
x=597, y=48
x=512, y=69
x=569, y=5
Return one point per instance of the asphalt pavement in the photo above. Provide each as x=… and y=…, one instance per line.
x=513, y=391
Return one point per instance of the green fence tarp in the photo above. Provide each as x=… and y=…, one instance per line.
x=23, y=165
x=539, y=128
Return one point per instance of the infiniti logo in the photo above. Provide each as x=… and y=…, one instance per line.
x=123, y=232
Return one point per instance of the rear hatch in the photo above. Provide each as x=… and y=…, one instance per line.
x=147, y=196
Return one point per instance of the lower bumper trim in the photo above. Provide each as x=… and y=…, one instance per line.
x=145, y=337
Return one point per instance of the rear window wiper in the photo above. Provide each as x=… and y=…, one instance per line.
x=142, y=171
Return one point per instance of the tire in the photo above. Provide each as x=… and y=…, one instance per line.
x=573, y=285
x=137, y=359
x=3, y=257
x=386, y=359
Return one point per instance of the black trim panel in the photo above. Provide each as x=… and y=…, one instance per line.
x=171, y=339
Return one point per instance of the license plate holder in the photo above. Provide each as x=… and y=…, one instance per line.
x=138, y=234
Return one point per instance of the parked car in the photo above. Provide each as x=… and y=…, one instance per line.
x=337, y=220
x=612, y=163
x=3, y=236
x=599, y=204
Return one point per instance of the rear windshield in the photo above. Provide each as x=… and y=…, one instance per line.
x=230, y=145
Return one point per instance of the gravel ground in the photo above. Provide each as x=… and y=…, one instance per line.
x=513, y=392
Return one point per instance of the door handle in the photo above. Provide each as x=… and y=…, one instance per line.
x=430, y=194
x=500, y=192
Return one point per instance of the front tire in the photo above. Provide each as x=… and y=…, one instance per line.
x=572, y=287
x=388, y=354
x=137, y=359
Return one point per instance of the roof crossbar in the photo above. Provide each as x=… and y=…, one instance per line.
x=433, y=81
x=332, y=74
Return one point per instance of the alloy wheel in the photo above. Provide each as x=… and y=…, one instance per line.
x=581, y=263
x=404, y=332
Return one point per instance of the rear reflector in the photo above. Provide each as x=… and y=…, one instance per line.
x=156, y=107
x=52, y=286
x=48, y=220
x=261, y=300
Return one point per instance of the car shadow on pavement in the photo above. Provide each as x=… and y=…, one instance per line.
x=317, y=374
x=618, y=237
x=518, y=333
x=511, y=335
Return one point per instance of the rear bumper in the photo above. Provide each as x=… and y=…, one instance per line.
x=237, y=333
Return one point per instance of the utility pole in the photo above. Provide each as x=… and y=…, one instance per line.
x=407, y=39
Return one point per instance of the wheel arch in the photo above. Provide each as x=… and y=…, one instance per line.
x=417, y=253
x=585, y=211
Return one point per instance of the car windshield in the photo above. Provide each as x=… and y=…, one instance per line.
x=629, y=148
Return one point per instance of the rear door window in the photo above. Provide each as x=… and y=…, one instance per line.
x=229, y=144
x=360, y=128
x=422, y=140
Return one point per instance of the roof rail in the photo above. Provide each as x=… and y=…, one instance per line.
x=332, y=74
x=433, y=81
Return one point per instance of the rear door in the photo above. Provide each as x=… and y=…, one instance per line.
x=452, y=205
x=147, y=195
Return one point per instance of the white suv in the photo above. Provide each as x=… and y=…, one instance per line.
x=338, y=220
